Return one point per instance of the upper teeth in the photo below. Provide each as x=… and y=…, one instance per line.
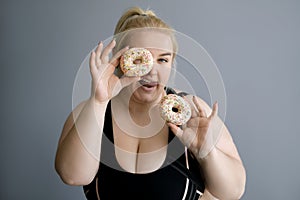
x=146, y=81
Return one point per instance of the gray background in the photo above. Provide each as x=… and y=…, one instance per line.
x=255, y=44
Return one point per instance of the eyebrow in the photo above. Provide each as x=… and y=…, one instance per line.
x=165, y=54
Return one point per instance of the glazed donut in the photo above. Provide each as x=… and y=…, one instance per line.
x=130, y=68
x=175, y=109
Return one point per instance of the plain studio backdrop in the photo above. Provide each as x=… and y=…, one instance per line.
x=254, y=43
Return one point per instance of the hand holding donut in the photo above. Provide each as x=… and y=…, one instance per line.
x=105, y=84
x=194, y=133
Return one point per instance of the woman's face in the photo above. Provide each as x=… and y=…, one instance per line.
x=150, y=87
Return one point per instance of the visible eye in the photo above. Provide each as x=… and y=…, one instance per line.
x=163, y=60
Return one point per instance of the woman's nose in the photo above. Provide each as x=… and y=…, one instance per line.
x=154, y=69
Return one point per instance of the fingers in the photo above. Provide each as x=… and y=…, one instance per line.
x=101, y=56
x=214, y=110
x=176, y=130
x=93, y=66
x=192, y=106
x=187, y=137
x=201, y=111
x=98, y=53
x=105, y=54
x=115, y=59
x=114, y=62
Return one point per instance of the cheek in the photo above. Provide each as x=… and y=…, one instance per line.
x=165, y=72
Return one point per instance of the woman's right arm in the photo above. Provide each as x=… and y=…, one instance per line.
x=78, y=152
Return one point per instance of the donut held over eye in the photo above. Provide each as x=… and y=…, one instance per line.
x=136, y=62
x=175, y=109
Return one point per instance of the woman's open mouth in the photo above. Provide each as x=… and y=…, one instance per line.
x=148, y=85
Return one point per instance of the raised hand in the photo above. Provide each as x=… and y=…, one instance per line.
x=195, y=134
x=105, y=84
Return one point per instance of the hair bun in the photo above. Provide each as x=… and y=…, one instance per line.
x=132, y=13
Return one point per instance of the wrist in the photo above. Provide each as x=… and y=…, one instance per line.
x=93, y=101
x=209, y=157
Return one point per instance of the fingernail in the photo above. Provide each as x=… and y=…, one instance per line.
x=216, y=103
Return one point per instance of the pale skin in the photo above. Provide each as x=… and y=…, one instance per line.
x=78, y=152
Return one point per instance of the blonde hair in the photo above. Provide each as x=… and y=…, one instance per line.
x=137, y=18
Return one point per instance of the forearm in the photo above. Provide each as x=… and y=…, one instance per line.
x=225, y=176
x=78, y=154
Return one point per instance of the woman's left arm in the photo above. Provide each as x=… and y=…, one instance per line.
x=224, y=173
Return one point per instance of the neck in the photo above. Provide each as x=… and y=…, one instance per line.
x=138, y=108
x=135, y=106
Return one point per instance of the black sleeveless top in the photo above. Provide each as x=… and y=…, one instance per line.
x=178, y=178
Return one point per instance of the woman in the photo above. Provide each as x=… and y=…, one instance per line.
x=117, y=146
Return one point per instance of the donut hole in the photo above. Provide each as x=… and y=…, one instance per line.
x=175, y=109
x=138, y=61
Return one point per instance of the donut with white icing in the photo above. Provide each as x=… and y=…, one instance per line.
x=136, y=62
x=175, y=109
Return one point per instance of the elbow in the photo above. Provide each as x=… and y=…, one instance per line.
x=73, y=177
x=69, y=180
x=241, y=185
x=74, y=180
x=237, y=192
x=238, y=189
x=232, y=194
x=233, y=190
x=241, y=193
x=238, y=186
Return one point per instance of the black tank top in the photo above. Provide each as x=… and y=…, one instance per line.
x=178, y=178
